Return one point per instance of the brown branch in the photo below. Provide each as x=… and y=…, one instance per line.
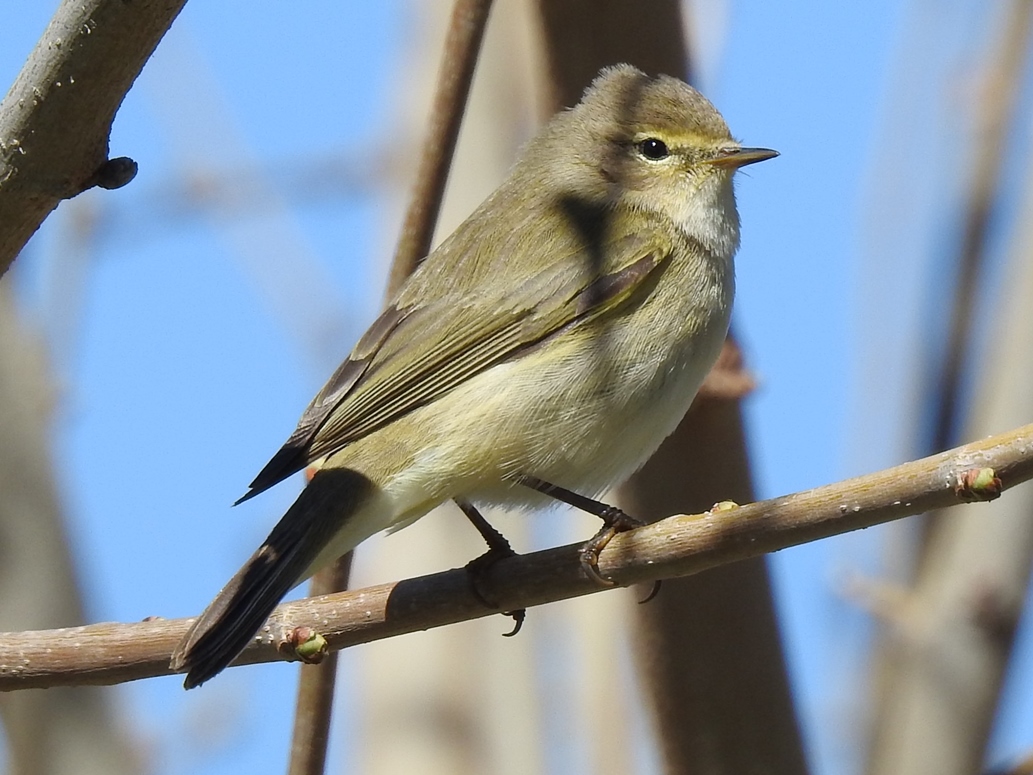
x=677, y=546
x=708, y=649
x=583, y=35
x=462, y=44
x=316, y=687
x=55, y=120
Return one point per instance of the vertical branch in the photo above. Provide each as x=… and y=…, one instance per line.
x=68, y=729
x=583, y=36
x=462, y=45
x=709, y=647
x=316, y=687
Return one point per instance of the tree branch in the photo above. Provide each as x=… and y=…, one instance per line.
x=677, y=546
x=462, y=44
x=315, y=701
x=55, y=120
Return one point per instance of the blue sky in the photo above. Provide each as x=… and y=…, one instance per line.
x=181, y=370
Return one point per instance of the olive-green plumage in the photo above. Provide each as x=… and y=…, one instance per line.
x=560, y=333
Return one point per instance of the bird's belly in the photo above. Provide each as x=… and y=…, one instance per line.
x=583, y=410
x=622, y=425
x=583, y=423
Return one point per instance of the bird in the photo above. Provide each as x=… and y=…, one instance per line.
x=544, y=350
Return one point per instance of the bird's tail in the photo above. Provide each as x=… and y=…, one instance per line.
x=243, y=605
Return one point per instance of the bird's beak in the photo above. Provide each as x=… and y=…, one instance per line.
x=734, y=158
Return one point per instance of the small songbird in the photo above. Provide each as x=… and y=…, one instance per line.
x=547, y=346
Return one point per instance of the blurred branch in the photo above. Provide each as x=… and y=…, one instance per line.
x=993, y=112
x=947, y=651
x=583, y=36
x=68, y=730
x=239, y=189
x=709, y=646
x=1023, y=767
x=677, y=546
x=462, y=44
x=55, y=120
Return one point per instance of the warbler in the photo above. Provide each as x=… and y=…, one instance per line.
x=547, y=346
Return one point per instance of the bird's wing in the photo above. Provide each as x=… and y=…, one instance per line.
x=413, y=354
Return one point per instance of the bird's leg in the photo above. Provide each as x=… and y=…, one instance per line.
x=614, y=521
x=498, y=549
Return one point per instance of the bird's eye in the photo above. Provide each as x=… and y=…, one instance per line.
x=653, y=149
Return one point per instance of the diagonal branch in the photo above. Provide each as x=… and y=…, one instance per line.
x=677, y=546
x=55, y=120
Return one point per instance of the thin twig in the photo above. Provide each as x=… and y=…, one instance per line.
x=677, y=546
x=316, y=687
x=462, y=45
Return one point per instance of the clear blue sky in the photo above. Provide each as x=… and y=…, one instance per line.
x=179, y=377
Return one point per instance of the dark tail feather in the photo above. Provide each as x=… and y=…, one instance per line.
x=243, y=605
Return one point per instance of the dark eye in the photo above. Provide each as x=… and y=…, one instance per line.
x=653, y=149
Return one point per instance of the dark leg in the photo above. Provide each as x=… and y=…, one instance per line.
x=497, y=543
x=498, y=548
x=614, y=521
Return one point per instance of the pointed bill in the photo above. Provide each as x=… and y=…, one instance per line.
x=734, y=158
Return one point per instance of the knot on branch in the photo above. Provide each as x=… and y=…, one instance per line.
x=112, y=174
